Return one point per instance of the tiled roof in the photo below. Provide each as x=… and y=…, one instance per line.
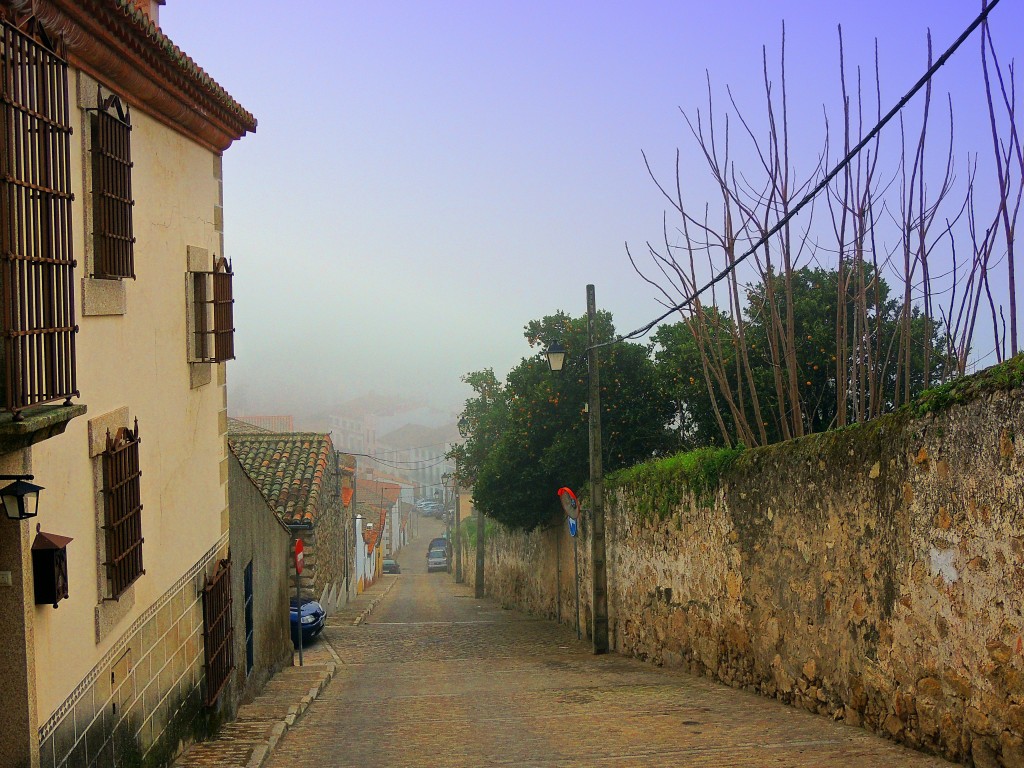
x=289, y=469
x=279, y=422
x=183, y=61
x=241, y=427
x=373, y=493
x=119, y=45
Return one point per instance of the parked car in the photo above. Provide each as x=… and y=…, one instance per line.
x=441, y=542
x=391, y=565
x=437, y=560
x=314, y=618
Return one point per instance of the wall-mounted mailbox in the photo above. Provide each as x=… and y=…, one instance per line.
x=50, y=567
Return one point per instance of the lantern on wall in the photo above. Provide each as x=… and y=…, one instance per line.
x=20, y=498
x=50, y=567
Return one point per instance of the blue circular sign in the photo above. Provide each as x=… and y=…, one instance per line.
x=572, y=526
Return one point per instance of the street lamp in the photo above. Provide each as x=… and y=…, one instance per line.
x=556, y=356
x=598, y=570
x=20, y=498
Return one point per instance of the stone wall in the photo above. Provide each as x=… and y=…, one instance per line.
x=258, y=540
x=874, y=574
x=323, y=568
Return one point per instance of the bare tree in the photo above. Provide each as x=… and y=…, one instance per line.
x=886, y=225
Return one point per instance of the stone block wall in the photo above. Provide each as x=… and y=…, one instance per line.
x=874, y=574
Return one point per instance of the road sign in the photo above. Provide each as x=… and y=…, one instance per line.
x=572, y=527
x=568, y=499
x=298, y=556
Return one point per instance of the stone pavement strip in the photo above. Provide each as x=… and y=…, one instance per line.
x=247, y=741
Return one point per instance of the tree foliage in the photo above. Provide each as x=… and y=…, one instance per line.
x=697, y=398
x=528, y=436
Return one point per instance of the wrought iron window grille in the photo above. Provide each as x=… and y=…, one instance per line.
x=37, y=318
x=122, y=502
x=213, y=306
x=218, y=631
x=112, y=201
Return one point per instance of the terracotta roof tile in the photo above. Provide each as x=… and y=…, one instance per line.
x=373, y=492
x=288, y=468
x=183, y=61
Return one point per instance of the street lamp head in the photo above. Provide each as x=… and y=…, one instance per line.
x=20, y=498
x=556, y=356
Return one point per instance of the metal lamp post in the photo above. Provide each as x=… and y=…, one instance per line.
x=598, y=566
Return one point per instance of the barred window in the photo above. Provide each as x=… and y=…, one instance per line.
x=218, y=631
x=122, y=503
x=113, y=239
x=214, y=313
x=37, y=317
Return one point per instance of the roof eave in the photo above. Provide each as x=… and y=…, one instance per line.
x=120, y=47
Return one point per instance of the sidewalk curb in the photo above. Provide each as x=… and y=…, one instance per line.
x=263, y=749
x=376, y=601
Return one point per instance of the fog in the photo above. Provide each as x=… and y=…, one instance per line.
x=426, y=178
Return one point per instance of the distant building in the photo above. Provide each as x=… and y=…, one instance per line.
x=419, y=453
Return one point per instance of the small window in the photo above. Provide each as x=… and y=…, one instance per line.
x=122, y=502
x=213, y=305
x=113, y=239
x=218, y=632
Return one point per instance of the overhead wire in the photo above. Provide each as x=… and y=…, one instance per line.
x=646, y=328
x=417, y=464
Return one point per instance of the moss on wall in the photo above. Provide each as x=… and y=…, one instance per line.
x=659, y=487
x=1006, y=375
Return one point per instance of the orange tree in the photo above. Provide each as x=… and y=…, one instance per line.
x=713, y=389
x=529, y=436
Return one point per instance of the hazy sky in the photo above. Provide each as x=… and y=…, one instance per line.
x=428, y=177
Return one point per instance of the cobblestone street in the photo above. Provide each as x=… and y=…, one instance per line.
x=434, y=677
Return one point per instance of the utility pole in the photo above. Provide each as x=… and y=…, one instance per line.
x=479, y=592
x=598, y=568
x=447, y=523
x=458, y=525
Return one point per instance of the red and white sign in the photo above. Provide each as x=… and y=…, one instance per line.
x=298, y=556
x=569, y=503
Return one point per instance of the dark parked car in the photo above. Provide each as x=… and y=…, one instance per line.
x=313, y=619
x=391, y=566
x=439, y=543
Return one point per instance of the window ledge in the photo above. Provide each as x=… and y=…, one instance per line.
x=200, y=374
x=104, y=297
x=37, y=424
